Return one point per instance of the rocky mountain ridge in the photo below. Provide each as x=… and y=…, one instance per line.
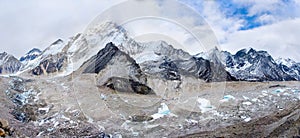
x=9, y=64
x=251, y=65
x=31, y=55
x=157, y=58
x=102, y=83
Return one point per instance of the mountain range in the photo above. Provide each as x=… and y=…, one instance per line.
x=107, y=50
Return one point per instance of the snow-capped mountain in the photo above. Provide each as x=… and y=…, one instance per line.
x=49, y=60
x=31, y=55
x=289, y=67
x=286, y=62
x=54, y=48
x=158, y=58
x=9, y=64
x=154, y=50
x=251, y=65
x=96, y=37
x=81, y=48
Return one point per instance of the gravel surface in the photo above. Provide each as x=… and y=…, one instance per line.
x=75, y=106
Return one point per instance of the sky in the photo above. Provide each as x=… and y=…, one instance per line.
x=271, y=25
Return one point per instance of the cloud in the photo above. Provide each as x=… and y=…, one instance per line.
x=34, y=23
x=164, y=18
x=280, y=39
x=217, y=19
x=269, y=24
x=270, y=11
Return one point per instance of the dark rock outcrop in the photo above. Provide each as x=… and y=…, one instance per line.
x=51, y=64
x=103, y=57
x=110, y=62
x=170, y=70
x=140, y=118
x=128, y=85
x=204, y=69
x=117, y=70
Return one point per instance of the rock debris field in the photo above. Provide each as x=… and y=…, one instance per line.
x=58, y=108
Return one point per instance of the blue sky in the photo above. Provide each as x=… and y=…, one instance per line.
x=251, y=12
x=272, y=25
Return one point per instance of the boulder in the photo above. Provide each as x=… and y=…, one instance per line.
x=2, y=133
x=141, y=118
x=4, y=123
x=128, y=85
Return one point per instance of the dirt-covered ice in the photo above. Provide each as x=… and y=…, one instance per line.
x=75, y=106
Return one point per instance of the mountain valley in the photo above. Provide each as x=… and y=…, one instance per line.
x=102, y=83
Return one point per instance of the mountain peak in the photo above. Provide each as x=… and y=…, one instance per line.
x=251, y=50
x=34, y=50
x=215, y=48
x=31, y=55
x=245, y=50
x=58, y=41
x=54, y=48
x=3, y=53
x=104, y=27
x=9, y=64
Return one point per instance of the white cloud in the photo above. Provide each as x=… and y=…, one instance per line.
x=171, y=19
x=280, y=39
x=266, y=19
x=154, y=29
x=271, y=11
x=278, y=36
x=216, y=18
x=34, y=23
x=261, y=6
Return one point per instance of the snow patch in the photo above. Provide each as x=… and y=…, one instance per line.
x=204, y=105
x=227, y=98
x=163, y=111
x=247, y=103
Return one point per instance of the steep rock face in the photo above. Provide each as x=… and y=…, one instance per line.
x=204, y=69
x=110, y=62
x=252, y=65
x=182, y=63
x=194, y=67
x=198, y=67
x=170, y=70
x=165, y=69
x=9, y=64
x=51, y=64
